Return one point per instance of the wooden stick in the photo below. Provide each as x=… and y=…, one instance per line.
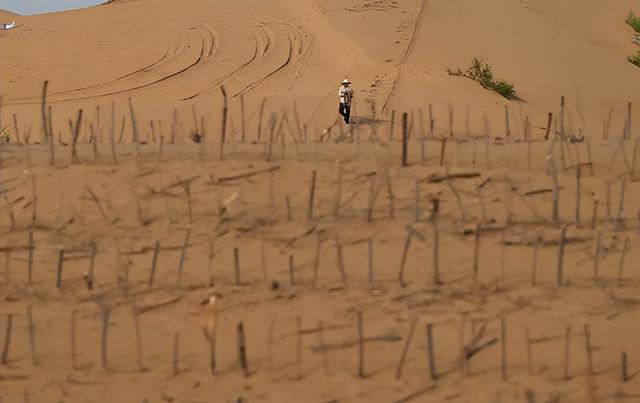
x=134, y=128
x=32, y=336
x=567, y=344
x=183, y=255
x=236, y=265
x=7, y=339
x=16, y=129
x=176, y=352
x=291, y=277
x=403, y=261
x=223, y=129
x=578, y=195
x=560, y=271
x=94, y=143
x=623, y=253
x=76, y=134
x=213, y=331
x=60, y=268
x=343, y=273
x=529, y=355
x=391, y=124
x=316, y=261
x=594, y=212
x=136, y=326
x=92, y=263
x=373, y=193
x=405, y=348
x=503, y=343
x=52, y=157
x=361, y=373
x=436, y=251
x=416, y=201
x=596, y=256
x=390, y=196
x=430, y=353
x=450, y=120
x=30, y=259
x=370, y=260
x=242, y=127
x=43, y=111
x=242, y=350
x=288, y=207
x=312, y=192
x=431, y=121
x=621, y=203
x=212, y=255
x=534, y=264
x=264, y=100
x=443, y=147
x=506, y=121
x=625, y=372
x=105, y=329
x=405, y=139
x=588, y=349
x=562, y=117
x=112, y=134
x=299, y=347
x=154, y=262
x=325, y=358
x=476, y=253
x=74, y=354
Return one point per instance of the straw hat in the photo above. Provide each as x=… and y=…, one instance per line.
x=346, y=81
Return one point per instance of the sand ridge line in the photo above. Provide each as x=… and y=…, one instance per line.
x=405, y=55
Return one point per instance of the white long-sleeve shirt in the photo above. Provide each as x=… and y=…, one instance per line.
x=345, y=93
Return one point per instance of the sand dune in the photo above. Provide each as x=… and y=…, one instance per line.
x=127, y=241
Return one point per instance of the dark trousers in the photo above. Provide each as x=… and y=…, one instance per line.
x=345, y=111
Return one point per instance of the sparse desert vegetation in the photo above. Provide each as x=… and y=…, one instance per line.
x=633, y=21
x=481, y=71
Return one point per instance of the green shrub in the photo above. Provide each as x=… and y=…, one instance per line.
x=505, y=89
x=635, y=59
x=481, y=72
x=633, y=21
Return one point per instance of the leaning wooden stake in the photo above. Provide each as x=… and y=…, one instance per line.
x=370, y=261
x=7, y=339
x=312, y=192
x=242, y=350
x=43, y=111
x=403, y=261
x=154, y=262
x=405, y=348
x=343, y=273
x=76, y=134
x=625, y=371
x=291, y=276
x=596, y=256
x=134, y=127
x=223, y=129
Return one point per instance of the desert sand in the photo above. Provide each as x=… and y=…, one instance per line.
x=131, y=254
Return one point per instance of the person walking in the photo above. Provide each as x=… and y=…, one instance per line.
x=346, y=94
